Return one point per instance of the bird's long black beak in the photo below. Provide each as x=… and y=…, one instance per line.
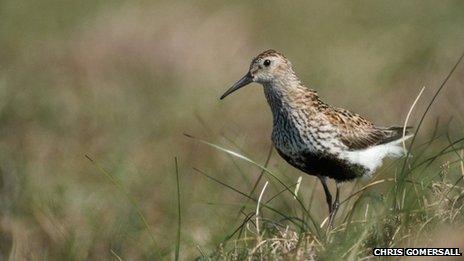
x=239, y=84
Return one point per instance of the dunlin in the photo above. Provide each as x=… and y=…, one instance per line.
x=315, y=137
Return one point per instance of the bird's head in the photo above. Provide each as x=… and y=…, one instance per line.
x=268, y=67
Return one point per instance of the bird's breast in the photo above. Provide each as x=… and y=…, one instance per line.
x=296, y=135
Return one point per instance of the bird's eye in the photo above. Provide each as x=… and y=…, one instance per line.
x=267, y=63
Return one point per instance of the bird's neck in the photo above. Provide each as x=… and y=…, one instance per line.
x=287, y=96
x=293, y=108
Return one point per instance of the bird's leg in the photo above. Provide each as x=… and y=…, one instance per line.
x=335, y=206
x=328, y=196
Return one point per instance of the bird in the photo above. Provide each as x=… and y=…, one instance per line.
x=317, y=138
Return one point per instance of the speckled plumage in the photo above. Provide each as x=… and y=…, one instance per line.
x=313, y=136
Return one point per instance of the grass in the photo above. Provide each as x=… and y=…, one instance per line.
x=425, y=202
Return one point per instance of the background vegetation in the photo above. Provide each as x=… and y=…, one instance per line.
x=121, y=81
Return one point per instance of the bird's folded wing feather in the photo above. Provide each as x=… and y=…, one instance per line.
x=357, y=133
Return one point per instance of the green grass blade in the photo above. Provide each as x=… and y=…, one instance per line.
x=131, y=199
x=179, y=216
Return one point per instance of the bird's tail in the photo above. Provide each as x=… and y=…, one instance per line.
x=395, y=134
x=395, y=148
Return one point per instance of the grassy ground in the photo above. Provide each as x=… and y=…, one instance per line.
x=95, y=98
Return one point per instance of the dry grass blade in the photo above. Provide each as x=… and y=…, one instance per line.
x=115, y=255
x=408, y=115
x=257, y=211
x=297, y=188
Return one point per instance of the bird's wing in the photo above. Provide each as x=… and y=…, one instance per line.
x=358, y=133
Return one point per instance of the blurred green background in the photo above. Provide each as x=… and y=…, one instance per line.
x=122, y=81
